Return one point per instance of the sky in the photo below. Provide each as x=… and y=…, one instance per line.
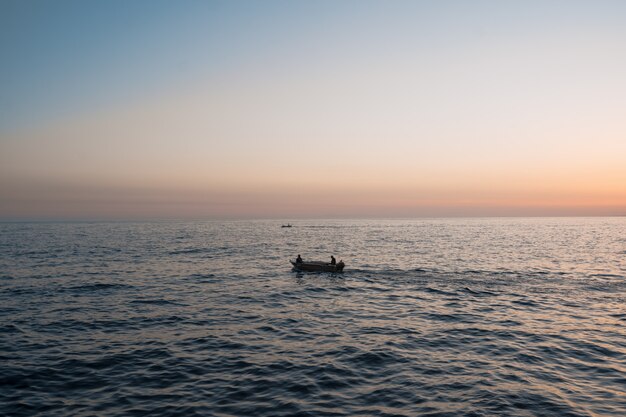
x=298, y=109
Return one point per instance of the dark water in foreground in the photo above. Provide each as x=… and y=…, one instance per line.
x=463, y=317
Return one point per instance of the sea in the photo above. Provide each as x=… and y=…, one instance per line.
x=431, y=317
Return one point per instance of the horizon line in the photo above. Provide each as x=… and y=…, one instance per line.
x=298, y=219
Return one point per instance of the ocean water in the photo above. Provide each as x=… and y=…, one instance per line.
x=432, y=317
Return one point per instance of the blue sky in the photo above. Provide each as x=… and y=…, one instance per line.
x=61, y=56
x=64, y=56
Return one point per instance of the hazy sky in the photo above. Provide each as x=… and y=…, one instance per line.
x=200, y=109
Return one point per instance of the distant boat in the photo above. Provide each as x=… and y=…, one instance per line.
x=318, y=266
x=286, y=225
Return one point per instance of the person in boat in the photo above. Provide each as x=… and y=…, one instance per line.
x=333, y=261
x=299, y=259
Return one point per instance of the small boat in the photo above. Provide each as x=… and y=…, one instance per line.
x=286, y=225
x=318, y=266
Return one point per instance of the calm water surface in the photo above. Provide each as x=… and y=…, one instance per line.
x=461, y=317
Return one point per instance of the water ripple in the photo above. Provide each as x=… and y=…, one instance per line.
x=205, y=318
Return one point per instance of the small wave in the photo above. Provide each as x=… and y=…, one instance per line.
x=473, y=272
x=74, y=325
x=525, y=303
x=607, y=276
x=212, y=342
x=451, y=318
x=331, y=374
x=375, y=359
x=387, y=330
x=190, y=251
x=99, y=286
x=160, y=302
x=322, y=226
x=136, y=357
x=29, y=253
x=370, y=270
x=595, y=288
x=10, y=328
x=509, y=323
x=593, y=352
x=470, y=291
x=620, y=316
x=20, y=290
x=202, y=276
x=269, y=329
x=437, y=291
